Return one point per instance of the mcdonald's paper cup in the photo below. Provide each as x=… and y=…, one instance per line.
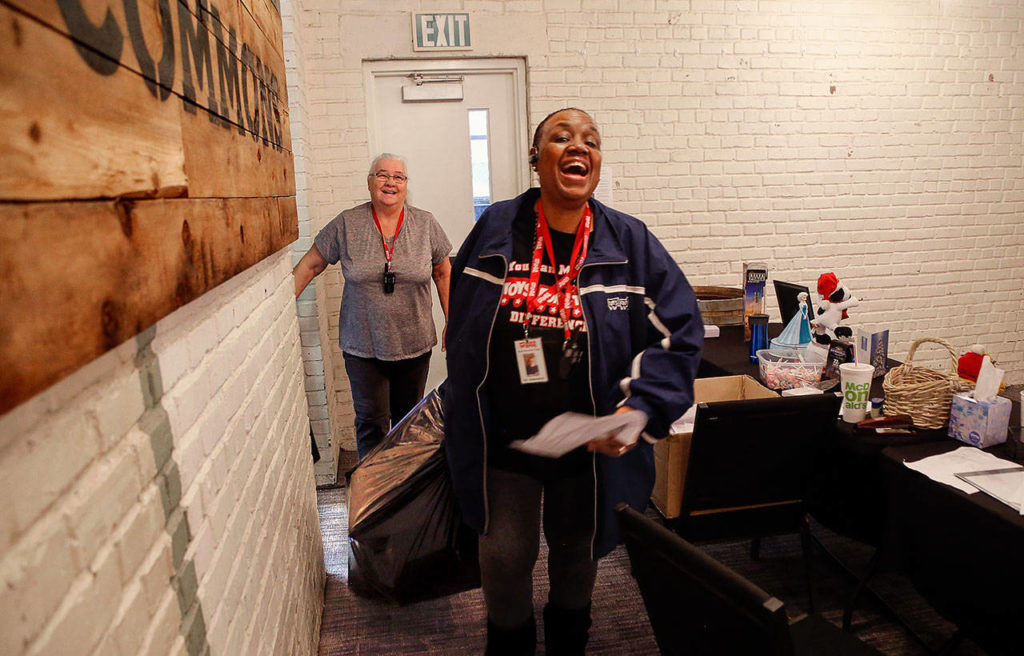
x=855, y=383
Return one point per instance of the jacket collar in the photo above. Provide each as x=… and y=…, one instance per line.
x=605, y=246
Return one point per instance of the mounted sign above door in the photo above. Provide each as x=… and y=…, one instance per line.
x=440, y=32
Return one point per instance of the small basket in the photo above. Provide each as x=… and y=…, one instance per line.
x=924, y=394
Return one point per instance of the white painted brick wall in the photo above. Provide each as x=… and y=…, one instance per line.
x=330, y=431
x=161, y=499
x=881, y=140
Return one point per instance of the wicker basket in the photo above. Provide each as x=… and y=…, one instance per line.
x=924, y=394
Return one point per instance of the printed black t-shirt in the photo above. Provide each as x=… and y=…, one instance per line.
x=519, y=410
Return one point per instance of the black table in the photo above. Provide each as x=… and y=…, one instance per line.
x=964, y=553
x=845, y=492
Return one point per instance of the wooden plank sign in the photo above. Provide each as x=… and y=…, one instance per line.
x=145, y=157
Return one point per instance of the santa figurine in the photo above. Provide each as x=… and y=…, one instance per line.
x=835, y=300
x=969, y=364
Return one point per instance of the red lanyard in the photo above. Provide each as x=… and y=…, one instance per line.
x=563, y=286
x=387, y=251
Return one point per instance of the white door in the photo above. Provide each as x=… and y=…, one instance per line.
x=461, y=125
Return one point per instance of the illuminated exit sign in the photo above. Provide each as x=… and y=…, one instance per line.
x=440, y=32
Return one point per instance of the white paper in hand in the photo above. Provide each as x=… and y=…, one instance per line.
x=571, y=429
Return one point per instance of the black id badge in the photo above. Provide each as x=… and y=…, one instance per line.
x=571, y=354
x=389, y=279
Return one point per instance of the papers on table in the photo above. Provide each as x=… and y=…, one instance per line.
x=571, y=429
x=1006, y=485
x=945, y=466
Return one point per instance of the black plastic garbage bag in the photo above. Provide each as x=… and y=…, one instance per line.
x=406, y=540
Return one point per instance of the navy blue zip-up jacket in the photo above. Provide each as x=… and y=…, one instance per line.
x=644, y=338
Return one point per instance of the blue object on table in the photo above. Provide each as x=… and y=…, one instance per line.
x=797, y=333
x=758, y=334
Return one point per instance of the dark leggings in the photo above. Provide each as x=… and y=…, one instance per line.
x=383, y=391
x=509, y=550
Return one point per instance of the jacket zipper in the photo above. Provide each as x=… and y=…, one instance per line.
x=593, y=401
x=479, y=387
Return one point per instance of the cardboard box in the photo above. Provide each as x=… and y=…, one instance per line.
x=671, y=454
x=979, y=423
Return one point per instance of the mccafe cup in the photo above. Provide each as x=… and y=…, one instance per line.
x=855, y=384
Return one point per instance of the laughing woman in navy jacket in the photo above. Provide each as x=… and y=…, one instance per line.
x=559, y=303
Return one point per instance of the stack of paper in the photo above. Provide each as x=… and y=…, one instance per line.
x=571, y=429
x=944, y=467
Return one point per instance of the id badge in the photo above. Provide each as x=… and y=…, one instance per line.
x=530, y=358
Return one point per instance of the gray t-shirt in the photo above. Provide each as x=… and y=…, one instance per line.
x=373, y=324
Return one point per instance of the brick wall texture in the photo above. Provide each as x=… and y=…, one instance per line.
x=880, y=139
x=160, y=500
x=312, y=333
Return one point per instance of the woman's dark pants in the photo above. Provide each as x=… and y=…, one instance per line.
x=383, y=391
x=509, y=551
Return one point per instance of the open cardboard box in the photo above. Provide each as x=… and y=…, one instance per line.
x=671, y=454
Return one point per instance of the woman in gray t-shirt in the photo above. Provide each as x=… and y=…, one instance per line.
x=389, y=252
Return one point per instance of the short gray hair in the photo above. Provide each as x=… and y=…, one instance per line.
x=383, y=156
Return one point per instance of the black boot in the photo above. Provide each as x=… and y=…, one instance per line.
x=566, y=632
x=520, y=641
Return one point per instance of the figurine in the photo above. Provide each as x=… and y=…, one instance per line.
x=797, y=333
x=969, y=364
x=835, y=300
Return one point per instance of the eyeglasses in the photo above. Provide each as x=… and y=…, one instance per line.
x=398, y=178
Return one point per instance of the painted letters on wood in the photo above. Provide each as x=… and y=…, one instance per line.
x=108, y=110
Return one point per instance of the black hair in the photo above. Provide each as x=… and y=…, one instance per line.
x=540, y=126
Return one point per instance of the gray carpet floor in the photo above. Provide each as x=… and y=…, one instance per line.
x=455, y=625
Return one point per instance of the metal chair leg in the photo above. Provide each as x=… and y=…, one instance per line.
x=808, y=550
x=861, y=584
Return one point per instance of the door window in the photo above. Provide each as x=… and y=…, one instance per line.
x=480, y=161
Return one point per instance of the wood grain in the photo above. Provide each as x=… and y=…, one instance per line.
x=268, y=19
x=223, y=163
x=79, y=278
x=67, y=132
x=144, y=160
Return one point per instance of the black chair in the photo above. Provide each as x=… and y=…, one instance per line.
x=699, y=606
x=747, y=468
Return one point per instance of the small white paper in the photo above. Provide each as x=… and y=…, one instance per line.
x=801, y=391
x=572, y=429
x=685, y=423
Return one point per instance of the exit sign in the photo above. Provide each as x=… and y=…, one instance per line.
x=440, y=32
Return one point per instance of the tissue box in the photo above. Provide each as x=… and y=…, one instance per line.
x=981, y=423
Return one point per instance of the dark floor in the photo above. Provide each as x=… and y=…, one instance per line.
x=455, y=624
